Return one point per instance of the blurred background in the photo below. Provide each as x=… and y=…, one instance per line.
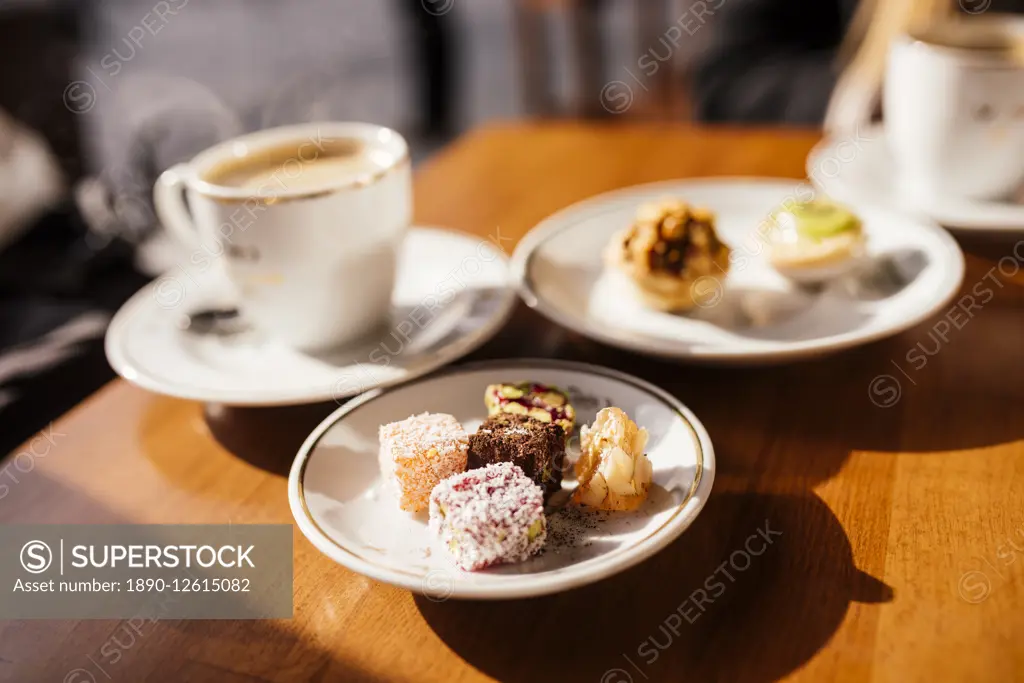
x=97, y=97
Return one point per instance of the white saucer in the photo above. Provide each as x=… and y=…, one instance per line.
x=752, y=316
x=452, y=295
x=336, y=497
x=861, y=170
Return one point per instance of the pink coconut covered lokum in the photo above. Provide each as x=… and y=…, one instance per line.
x=489, y=516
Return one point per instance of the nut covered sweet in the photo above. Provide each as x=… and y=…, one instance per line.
x=612, y=470
x=489, y=516
x=539, y=401
x=418, y=452
x=668, y=248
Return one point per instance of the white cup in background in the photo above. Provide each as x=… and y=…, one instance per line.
x=953, y=104
x=310, y=242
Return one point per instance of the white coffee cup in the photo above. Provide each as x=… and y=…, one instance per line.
x=953, y=103
x=309, y=242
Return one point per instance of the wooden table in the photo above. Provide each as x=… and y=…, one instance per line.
x=895, y=561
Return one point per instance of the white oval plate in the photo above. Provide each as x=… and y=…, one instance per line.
x=861, y=169
x=336, y=498
x=451, y=295
x=751, y=316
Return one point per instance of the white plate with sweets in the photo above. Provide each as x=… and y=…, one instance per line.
x=466, y=485
x=735, y=270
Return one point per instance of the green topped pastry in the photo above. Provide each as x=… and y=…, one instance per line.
x=817, y=219
x=815, y=240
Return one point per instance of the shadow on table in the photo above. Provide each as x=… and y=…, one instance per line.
x=706, y=608
x=223, y=651
x=267, y=438
x=801, y=421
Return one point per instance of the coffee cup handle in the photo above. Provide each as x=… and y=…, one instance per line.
x=171, y=209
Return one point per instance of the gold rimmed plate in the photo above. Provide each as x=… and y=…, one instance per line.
x=336, y=494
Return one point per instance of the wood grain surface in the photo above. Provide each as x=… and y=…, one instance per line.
x=897, y=530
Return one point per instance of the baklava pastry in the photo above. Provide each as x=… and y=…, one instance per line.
x=669, y=247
